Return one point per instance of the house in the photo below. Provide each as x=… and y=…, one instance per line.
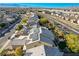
x=76, y=16
x=33, y=20
x=41, y=34
x=72, y=15
x=67, y=18
x=52, y=13
x=39, y=39
x=19, y=41
x=38, y=42
x=57, y=14
x=77, y=21
x=43, y=12
x=62, y=17
x=43, y=50
x=42, y=41
x=72, y=19
x=26, y=29
x=10, y=19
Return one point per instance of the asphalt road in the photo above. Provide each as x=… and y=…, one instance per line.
x=9, y=28
x=6, y=36
x=7, y=33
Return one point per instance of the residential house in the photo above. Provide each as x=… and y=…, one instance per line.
x=76, y=16
x=77, y=21
x=10, y=19
x=72, y=19
x=67, y=18
x=39, y=39
x=52, y=13
x=33, y=20
x=43, y=50
x=42, y=41
x=18, y=41
x=43, y=12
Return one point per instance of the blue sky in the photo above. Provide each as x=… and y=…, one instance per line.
x=44, y=5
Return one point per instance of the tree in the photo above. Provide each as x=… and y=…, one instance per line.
x=62, y=45
x=39, y=16
x=43, y=21
x=72, y=41
x=2, y=16
x=60, y=34
x=24, y=21
x=56, y=30
x=2, y=25
x=19, y=27
x=18, y=51
x=51, y=26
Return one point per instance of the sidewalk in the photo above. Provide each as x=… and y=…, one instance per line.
x=4, y=46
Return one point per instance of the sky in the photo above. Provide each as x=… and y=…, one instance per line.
x=40, y=5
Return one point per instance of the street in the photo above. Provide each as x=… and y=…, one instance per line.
x=5, y=38
x=7, y=34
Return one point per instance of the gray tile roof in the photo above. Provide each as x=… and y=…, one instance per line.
x=54, y=51
x=36, y=51
x=43, y=51
x=42, y=34
x=18, y=42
